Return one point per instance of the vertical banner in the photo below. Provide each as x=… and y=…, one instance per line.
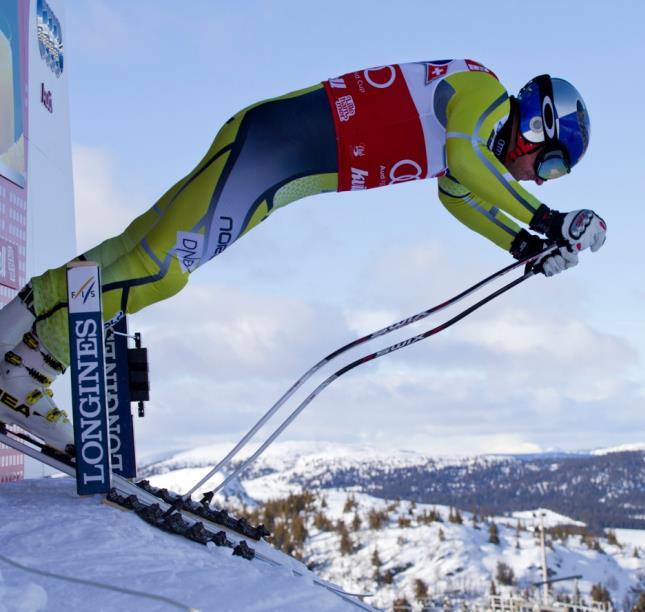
x=14, y=19
x=118, y=401
x=91, y=431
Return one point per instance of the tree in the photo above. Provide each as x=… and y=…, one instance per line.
x=455, y=516
x=639, y=606
x=505, y=574
x=600, y=593
x=356, y=522
x=350, y=504
x=322, y=523
x=420, y=592
x=611, y=538
x=346, y=544
x=404, y=522
x=493, y=533
x=401, y=605
x=376, y=559
x=377, y=563
x=442, y=535
x=298, y=530
x=376, y=519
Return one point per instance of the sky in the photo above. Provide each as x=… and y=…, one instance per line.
x=555, y=363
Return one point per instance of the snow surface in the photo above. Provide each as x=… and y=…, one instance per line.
x=44, y=525
x=619, y=449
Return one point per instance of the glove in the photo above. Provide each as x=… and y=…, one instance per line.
x=556, y=261
x=581, y=229
x=584, y=229
x=526, y=244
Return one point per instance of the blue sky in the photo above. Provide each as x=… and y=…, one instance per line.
x=555, y=363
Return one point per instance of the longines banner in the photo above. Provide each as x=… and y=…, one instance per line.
x=14, y=19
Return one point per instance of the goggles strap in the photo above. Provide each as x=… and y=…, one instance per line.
x=522, y=147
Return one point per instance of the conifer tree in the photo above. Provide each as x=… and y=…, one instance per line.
x=639, y=606
x=493, y=534
x=420, y=592
x=356, y=522
x=376, y=559
x=600, y=593
x=401, y=605
x=346, y=544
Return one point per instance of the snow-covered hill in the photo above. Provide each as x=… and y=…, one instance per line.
x=442, y=556
x=46, y=528
x=603, y=488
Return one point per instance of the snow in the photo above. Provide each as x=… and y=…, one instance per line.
x=619, y=449
x=45, y=526
x=448, y=557
x=549, y=518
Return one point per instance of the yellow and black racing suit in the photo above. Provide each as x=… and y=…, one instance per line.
x=365, y=129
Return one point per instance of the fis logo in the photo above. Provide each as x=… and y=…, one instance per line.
x=86, y=291
x=358, y=150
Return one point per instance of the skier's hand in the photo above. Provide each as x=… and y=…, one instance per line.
x=580, y=229
x=555, y=261
x=584, y=229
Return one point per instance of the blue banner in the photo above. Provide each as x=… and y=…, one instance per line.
x=118, y=401
x=89, y=399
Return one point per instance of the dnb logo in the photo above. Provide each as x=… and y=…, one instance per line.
x=50, y=37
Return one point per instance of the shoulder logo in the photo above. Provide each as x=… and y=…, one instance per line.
x=436, y=69
x=474, y=66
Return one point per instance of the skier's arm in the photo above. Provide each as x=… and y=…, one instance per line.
x=479, y=103
x=476, y=213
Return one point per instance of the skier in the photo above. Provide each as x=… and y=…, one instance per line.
x=449, y=119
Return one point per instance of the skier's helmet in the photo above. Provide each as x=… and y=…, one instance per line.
x=553, y=112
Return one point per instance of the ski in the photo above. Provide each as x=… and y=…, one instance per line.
x=126, y=494
x=147, y=503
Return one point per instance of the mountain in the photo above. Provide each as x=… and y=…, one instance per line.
x=603, y=488
x=398, y=525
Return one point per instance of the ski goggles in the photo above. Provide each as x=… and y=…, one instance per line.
x=551, y=164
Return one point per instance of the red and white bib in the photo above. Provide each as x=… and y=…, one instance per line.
x=386, y=126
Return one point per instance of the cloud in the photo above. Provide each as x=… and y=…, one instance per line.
x=504, y=380
x=102, y=208
x=519, y=374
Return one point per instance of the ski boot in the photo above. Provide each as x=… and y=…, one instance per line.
x=26, y=399
x=16, y=319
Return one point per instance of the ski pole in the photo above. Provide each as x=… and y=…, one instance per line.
x=381, y=332
x=354, y=364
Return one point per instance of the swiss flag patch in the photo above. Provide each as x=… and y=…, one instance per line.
x=434, y=71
